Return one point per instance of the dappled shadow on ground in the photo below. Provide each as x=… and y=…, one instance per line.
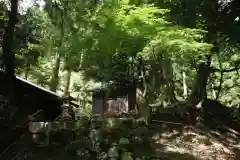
x=216, y=136
x=195, y=141
x=222, y=123
x=214, y=113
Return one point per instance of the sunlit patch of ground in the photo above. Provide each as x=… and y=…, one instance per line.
x=192, y=145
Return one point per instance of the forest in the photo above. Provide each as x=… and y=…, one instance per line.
x=181, y=59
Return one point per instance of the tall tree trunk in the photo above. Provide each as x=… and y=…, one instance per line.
x=199, y=92
x=221, y=73
x=133, y=89
x=68, y=80
x=141, y=89
x=184, y=85
x=203, y=69
x=213, y=92
x=8, y=54
x=55, y=73
x=26, y=75
x=26, y=72
x=167, y=67
x=132, y=98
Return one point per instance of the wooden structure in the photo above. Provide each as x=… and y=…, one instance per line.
x=34, y=103
x=111, y=99
x=33, y=97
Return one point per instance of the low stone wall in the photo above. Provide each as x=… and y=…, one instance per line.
x=38, y=127
x=60, y=132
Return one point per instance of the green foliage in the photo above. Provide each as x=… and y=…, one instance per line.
x=137, y=31
x=41, y=73
x=110, y=141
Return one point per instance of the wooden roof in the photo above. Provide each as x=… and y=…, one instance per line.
x=25, y=87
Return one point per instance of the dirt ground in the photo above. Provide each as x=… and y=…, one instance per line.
x=196, y=144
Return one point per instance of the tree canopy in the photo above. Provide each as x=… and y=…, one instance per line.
x=146, y=43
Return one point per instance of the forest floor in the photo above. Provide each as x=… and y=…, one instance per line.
x=195, y=143
x=127, y=140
